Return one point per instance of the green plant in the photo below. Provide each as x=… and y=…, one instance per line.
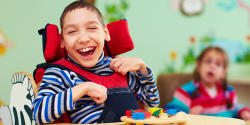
x=188, y=58
x=116, y=12
x=168, y=68
x=206, y=39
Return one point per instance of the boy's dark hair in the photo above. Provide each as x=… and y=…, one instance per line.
x=196, y=75
x=81, y=4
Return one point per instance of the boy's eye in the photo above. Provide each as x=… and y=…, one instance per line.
x=92, y=28
x=71, y=32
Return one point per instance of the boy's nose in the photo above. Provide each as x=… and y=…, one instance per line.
x=83, y=38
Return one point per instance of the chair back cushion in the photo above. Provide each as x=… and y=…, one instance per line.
x=121, y=41
x=168, y=83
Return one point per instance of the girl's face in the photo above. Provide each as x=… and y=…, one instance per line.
x=211, y=68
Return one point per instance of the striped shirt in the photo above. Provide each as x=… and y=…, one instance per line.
x=212, y=106
x=55, y=94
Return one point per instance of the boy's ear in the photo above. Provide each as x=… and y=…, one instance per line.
x=62, y=41
x=106, y=33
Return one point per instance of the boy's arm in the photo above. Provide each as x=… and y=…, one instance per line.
x=54, y=96
x=144, y=87
x=58, y=92
x=141, y=83
x=98, y=93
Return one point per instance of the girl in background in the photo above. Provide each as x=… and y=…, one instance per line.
x=208, y=93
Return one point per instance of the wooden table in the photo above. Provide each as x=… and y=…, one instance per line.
x=194, y=120
x=248, y=122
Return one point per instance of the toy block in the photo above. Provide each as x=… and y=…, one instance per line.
x=179, y=119
x=138, y=110
x=138, y=115
x=134, y=116
x=152, y=110
x=128, y=113
x=141, y=115
x=147, y=114
x=171, y=111
x=165, y=110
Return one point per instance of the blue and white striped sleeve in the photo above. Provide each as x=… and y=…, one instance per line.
x=144, y=87
x=54, y=96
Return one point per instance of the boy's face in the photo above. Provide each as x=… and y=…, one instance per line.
x=83, y=36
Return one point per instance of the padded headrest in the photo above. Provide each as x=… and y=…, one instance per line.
x=120, y=42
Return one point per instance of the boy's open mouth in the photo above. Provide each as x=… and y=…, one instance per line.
x=88, y=51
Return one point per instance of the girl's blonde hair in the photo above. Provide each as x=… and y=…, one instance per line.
x=196, y=74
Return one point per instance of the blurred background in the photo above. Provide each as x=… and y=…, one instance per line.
x=167, y=36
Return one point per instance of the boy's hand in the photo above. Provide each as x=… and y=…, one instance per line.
x=245, y=115
x=196, y=110
x=126, y=64
x=97, y=93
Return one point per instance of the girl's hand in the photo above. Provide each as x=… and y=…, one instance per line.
x=196, y=110
x=126, y=64
x=245, y=115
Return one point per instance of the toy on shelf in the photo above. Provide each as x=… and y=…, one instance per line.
x=155, y=116
x=157, y=113
x=171, y=112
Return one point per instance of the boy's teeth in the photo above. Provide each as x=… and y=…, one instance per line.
x=86, y=49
